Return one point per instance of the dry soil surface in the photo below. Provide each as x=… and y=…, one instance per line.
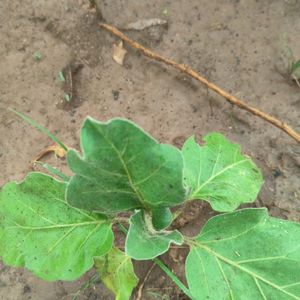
x=243, y=46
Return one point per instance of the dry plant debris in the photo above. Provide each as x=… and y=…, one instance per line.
x=192, y=73
x=119, y=53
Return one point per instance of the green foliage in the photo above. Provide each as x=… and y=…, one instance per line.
x=144, y=242
x=245, y=255
x=218, y=173
x=123, y=168
x=116, y=272
x=41, y=232
x=292, y=65
x=161, y=218
x=59, y=229
x=41, y=129
x=295, y=66
x=61, y=76
x=37, y=55
x=295, y=71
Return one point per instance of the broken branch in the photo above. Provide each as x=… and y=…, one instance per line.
x=189, y=71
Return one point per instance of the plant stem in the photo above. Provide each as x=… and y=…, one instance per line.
x=173, y=277
x=123, y=229
x=121, y=220
x=169, y=273
x=54, y=171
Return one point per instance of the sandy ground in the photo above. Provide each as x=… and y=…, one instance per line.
x=240, y=45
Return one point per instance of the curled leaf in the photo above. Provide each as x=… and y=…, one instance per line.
x=143, y=242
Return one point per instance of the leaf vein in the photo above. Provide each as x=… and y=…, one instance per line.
x=225, y=278
x=194, y=195
x=260, y=289
x=243, y=269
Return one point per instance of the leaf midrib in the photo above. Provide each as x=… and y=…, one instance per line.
x=141, y=200
x=56, y=226
x=243, y=269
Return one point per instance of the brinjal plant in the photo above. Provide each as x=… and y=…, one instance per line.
x=59, y=227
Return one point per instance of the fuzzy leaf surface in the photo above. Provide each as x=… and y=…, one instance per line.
x=117, y=273
x=219, y=174
x=123, y=168
x=245, y=255
x=40, y=231
x=161, y=218
x=142, y=243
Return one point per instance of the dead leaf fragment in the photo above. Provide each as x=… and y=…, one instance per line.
x=119, y=53
x=56, y=149
x=145, y=23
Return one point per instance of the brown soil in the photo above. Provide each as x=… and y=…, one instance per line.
x=240, y=45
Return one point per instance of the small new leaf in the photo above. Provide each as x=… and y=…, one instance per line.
x=41, y=232
x=117, y=273
x=143, y=242
x=218, y=173
x=161, y=218
x=245, y=255
x=123, y=168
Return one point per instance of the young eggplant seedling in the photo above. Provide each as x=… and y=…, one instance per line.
x=60, y=227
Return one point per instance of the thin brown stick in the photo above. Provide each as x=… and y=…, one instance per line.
x=189, y=71
x=140, y=290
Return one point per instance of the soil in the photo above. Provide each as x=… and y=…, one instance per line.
x=243, y=46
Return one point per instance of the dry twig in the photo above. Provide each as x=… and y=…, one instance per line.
x=189, y=71
x=140, y=290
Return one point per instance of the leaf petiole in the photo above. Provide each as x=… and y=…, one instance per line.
x=53, y=171
x=173, y=277
x=163, y=267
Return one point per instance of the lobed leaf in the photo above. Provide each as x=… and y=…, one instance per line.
x=117, y=273
x=245, y=255
x=123, y=168
x=144, y=243
x=219, y=174
x=39, y=230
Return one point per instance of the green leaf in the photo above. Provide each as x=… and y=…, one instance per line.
x=161, y=218
x=245, y=255
x=117, y=273
x=219, y=174
x=40, y=231
x=143, y=242
x=67, y=97
x=37, y=55
x=61, y=76
x=123, y=168
x=295, y=66
x=41, y=129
